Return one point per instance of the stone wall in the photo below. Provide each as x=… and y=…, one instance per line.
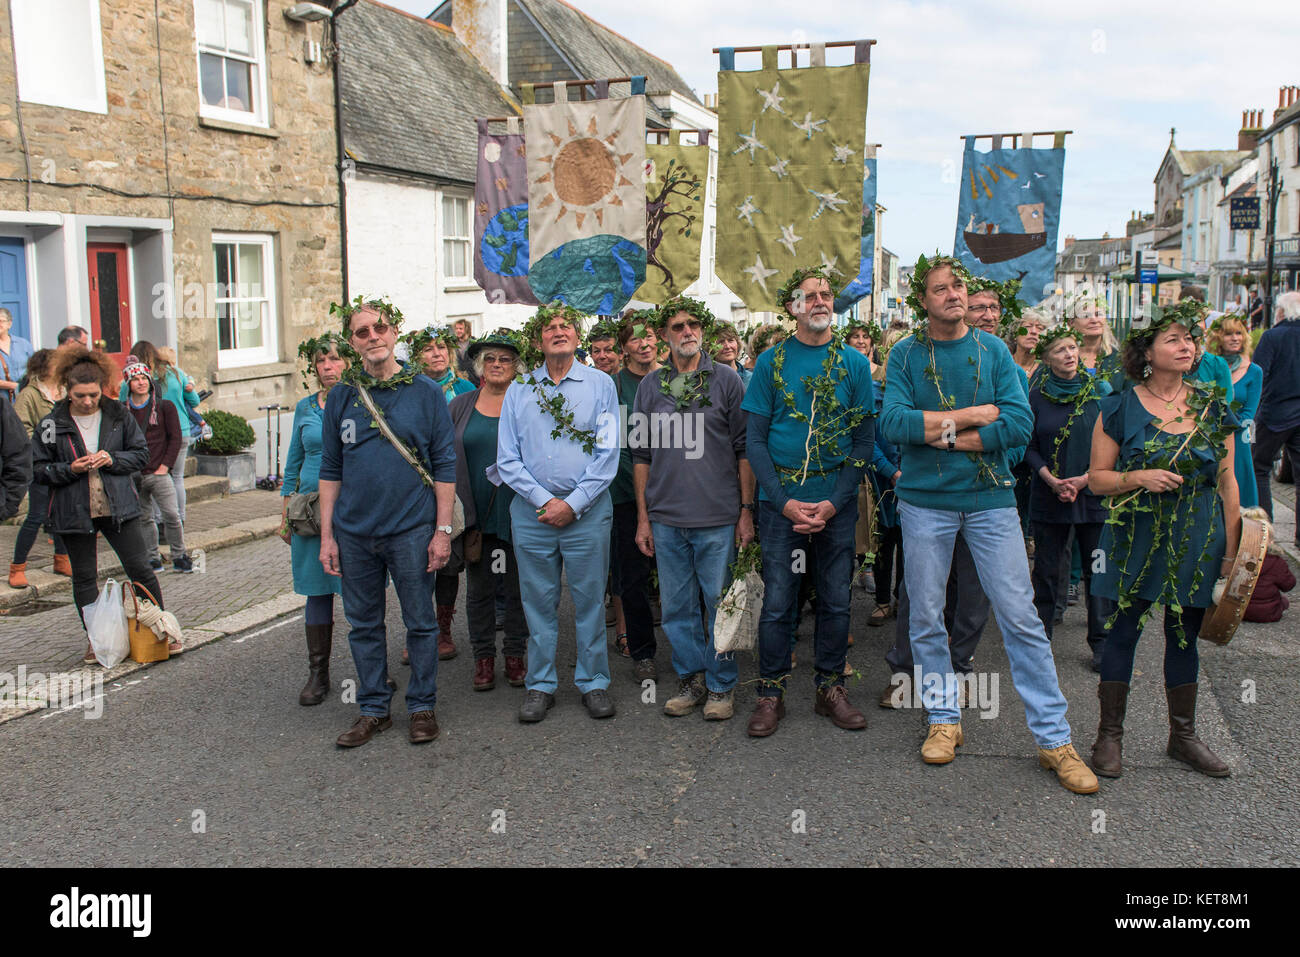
x=224, y=177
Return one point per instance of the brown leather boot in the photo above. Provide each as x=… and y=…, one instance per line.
x=446, y=647
x=833, y=702
x=1184, y=745
x=767, y=713
x=1106, y=752
x=62, y=566
x=319, y=642
x=17, y=575
x=516, y=671
x=485, y=678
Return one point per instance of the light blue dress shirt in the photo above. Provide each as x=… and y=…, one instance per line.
x=540, y=468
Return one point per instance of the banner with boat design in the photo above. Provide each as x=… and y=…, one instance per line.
x=1008, y=212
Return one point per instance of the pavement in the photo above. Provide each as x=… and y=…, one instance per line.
x=208, y=760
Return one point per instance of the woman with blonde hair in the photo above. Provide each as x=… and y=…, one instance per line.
x=1022, y=338
x=1229, y=338
x=1099, y=351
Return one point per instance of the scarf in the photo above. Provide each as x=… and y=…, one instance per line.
x=1234, y=362
x=448, y=381
x=1061, y=391
x=148, y=403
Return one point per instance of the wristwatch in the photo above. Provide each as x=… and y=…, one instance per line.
x=747, y=505
x=444, y=528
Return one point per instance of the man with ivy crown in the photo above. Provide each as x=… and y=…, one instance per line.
x=954, y=406
x=557, y=447
x=379, y=518
x=694, y=498
x=810, y=433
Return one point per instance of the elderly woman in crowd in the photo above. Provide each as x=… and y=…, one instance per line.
x=302, y=477
x=488, y=553
x=726, y=350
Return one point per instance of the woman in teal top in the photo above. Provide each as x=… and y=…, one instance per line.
x=302, y=474
x=176, y=387
x=1163, y=452
x=475, y=417
x=1230, y=339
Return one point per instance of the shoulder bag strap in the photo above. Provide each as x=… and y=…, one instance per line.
x=397, y=443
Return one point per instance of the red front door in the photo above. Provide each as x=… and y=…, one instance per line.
x=110, y=299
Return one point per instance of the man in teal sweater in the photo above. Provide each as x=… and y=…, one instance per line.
x=954, y=406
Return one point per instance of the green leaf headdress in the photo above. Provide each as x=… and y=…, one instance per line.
x=785, y=295
x=326, y=342
x=345, y=311
x=1054, y=335
x=603, y=329
x=1188, y=313
x=873, y=331
x=417, y=340
x=545, y=314
x=684, y=304
x=922, y=270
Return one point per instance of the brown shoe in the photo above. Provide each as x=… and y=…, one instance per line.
x=424, y=727
x=485, y=674
x=367, y=726
x=769, y=710
x=1070, y=769
x=833, y=702
x=17, y=575
x=62, y=565
x=898, y=693
x=516, y=671
x=941, y=743
x=446, y=647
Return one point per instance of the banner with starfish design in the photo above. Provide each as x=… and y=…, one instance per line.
x=501, y=216
x=675, y=175
x=789, y=170
x=1008, y=211
x=587, y=223
x=862, y=285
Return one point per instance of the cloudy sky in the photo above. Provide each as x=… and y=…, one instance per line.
x=1118, y=73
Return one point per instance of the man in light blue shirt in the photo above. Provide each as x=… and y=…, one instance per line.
x=557, y=447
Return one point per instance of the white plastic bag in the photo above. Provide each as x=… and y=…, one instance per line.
x=736, y=626
x=106, y=625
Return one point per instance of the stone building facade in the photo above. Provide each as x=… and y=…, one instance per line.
x=172, y=177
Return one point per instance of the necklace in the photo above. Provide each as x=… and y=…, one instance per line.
x=1167, y=400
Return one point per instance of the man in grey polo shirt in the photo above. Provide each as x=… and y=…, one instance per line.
x=694, y=498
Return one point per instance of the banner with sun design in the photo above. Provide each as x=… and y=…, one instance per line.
x=501, y=216
x=1008, y=211
x=587, y=225
x=861, y=286
x=674, y=195
x=789, y=170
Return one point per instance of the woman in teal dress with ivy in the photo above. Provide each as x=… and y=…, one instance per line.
x=1229, y=337
x=1163, y=452
x=302, y=474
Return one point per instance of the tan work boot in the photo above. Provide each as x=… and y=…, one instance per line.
x=941, y=743
x=720, y=706
x=690, y=695
x=1070, y=769
x=897, y=693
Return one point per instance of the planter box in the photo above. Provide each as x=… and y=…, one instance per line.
x=240, y=469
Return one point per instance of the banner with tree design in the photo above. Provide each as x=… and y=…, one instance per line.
x=675, y=175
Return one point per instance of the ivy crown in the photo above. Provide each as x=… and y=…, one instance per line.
x=790, y=288
x=1054, y=335
x=546, y=314
x=604, y=329
x=326, y=342
x=916, y=297
x=873, y=331
x=345, y=311
x=664, y=314
x=1186, y=313
x=636, y=322
x=417, y=340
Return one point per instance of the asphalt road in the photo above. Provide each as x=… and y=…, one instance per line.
x=217, y=739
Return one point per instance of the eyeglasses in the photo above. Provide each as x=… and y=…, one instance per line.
x=693, y=324
x=364, y=332
x=498, y=360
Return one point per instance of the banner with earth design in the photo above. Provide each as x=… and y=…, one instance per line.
x=586, y=198
x=501, y=217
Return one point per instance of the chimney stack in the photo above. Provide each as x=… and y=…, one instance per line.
x=1286, y=98
x=1069, y=241
x=481, y=26
x=1252, y=124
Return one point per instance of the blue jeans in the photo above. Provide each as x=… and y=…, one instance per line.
x=365, y=561
x=691, y=561
x=998, y=548
x=784, y=561
x=543, y=554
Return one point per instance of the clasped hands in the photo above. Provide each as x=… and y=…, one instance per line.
x=808, y=517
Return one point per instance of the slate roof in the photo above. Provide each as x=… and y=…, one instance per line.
x=1193, y=161
x=598, y=51
x=410, y=94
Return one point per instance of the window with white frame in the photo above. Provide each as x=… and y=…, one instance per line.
x=245, y=299
x=457, y=262
x=232, y=60
x=59, y=53
x=1080, y=261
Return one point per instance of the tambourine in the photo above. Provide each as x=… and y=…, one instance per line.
x=1221, y=620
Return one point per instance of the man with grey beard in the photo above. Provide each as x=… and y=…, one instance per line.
x=810, y=433
x=694, y=498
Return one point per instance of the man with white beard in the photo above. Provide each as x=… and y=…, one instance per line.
x=810, y=433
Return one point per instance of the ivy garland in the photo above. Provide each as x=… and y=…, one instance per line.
x=917, y=283
x=1169, y=510
x=326, y=342
x=685, y=389
x=836, y=421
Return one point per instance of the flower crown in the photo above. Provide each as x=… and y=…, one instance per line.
x=417, y=340
x=789, y=289
x=683, y=304
x=1054, y=335
x=345, y=311
x=922, y=270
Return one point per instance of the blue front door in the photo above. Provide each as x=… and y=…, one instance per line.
x=13, y=284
